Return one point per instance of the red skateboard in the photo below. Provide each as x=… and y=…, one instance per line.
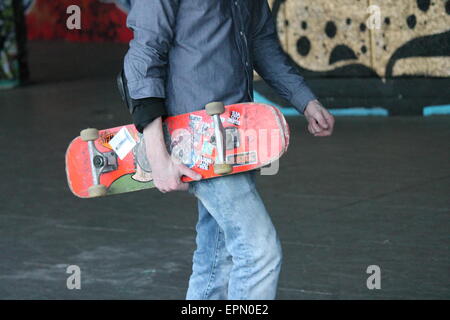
x=213, y=142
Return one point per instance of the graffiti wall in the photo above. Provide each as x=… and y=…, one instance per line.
x=381, y=38
x=101, y=20
x=341, y=38
x=388, y=42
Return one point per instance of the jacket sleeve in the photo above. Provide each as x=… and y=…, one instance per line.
x=152, y=23
x=272, y=63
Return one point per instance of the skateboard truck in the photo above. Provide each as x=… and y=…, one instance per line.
x=231, y=138
x=215, y=109
x=100, y=162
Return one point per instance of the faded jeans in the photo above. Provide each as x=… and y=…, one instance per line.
x=238, y=253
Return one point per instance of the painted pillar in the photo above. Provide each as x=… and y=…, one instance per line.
x=13, y=65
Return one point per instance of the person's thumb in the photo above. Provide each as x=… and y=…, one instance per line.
x=190, y=173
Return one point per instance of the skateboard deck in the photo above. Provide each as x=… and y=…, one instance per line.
x=255, y=135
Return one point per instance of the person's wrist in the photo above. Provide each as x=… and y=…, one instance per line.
x=158, y=152
x=159, y=161
x=315, y=101
x=312, y=103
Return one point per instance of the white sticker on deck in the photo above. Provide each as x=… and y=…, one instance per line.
x=122, y=143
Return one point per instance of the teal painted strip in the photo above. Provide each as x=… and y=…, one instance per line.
x=435, y=110
x=257, y=97
x=360, y=112
x=8, y=84
x=336, y=112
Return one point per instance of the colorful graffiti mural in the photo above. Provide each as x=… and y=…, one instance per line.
x=101, y=20
x=333, y=39
x=324, y=38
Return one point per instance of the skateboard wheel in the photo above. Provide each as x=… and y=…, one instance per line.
x=89, y=134
x=223, y=168
x=97, y=190
x=214, y=108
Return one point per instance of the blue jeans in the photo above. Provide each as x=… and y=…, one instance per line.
x=238, y=253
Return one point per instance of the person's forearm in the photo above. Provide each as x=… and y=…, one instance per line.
x=155, y=145
x=166, y=172
x=273, y=64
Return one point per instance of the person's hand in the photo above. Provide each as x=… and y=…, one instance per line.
x=167, y=173
x=320, y=121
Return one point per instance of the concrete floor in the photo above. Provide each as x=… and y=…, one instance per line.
x=376, y=193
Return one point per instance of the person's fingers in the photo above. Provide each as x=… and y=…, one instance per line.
x=330, y=120
x=319, y=117
x=324, y=133
x=183, y=186
x=315, y=126
x=311, y=128
x=190, y=173
x=180, y=186
x=157, y=186
x=329, y=117
x=162, y=186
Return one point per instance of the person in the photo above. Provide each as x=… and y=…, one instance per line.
x=185, y=54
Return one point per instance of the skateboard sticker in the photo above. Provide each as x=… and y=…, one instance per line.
x=204, y=163
x=194, y=159
x=244, y=158
x=207, y=148
x=105, y=138
x=205, y=128
x=196, y=138
x=234, y=118
x=181, y=147
x=195, y=118
x=122, y=143
x=197, y=129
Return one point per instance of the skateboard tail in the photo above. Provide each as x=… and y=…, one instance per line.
x=77, y=172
